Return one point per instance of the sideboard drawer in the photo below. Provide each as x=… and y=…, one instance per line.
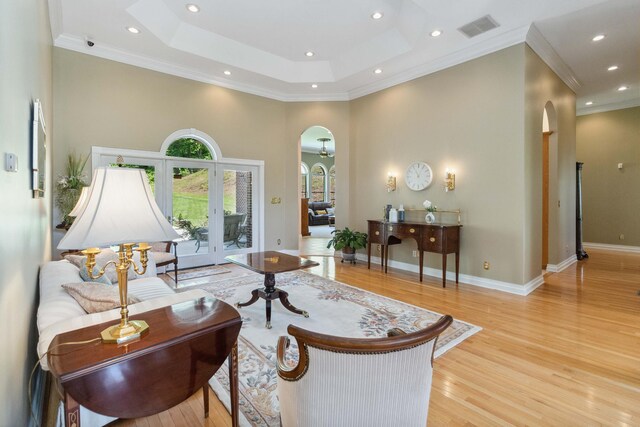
x=432, y=239
x=403, y=230
x=376, y=232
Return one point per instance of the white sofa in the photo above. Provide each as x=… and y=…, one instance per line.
x=58, y=312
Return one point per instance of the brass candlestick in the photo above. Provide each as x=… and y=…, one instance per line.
x=127, y=329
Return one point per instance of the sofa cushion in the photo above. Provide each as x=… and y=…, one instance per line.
x=84, y=274
x=95, y=297
x=104, y=257
x=108, y=255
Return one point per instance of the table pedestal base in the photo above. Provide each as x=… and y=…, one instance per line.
x=269, y=293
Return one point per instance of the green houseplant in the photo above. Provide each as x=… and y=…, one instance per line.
x=348, y=241
x=69, y=187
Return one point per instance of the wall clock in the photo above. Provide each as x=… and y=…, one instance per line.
x=418, y=176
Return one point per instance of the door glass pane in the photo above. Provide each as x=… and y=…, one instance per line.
x=238, y=218
x=190, y=199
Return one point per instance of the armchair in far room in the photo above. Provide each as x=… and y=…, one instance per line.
x=357, y=381
x=164, y=255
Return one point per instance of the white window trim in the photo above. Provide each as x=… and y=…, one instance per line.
x=305, y=166
x=326, y=180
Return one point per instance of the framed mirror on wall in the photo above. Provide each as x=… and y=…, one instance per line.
x=38, y=151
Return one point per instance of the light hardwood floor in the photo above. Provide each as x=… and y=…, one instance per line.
x=567, y=354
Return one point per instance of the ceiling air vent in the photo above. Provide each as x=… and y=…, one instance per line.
x=479, y=26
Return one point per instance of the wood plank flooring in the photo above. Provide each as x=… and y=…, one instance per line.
x=568, y=354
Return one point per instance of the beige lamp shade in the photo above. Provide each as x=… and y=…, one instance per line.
x=120, y=208
x=82, y=202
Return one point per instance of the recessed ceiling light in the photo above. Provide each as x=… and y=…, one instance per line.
x=588, y=103
x=435, y=33
x=622, y=88
x=227, y=72
x=612, y=68
x=598, y=37
x=309, y=54
x=377, y=71
x=193, y=8
x=376, y=15
x=314, y=86
x=133, y=30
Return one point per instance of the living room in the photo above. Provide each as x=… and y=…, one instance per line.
x=481, y=117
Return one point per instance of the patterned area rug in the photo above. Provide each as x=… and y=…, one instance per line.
x=334, y=308
x=195, y=273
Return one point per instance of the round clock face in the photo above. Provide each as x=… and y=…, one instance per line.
x=418, y=176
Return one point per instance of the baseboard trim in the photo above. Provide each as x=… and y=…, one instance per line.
x=556, y=268
x=468, y=279
x=617, y=248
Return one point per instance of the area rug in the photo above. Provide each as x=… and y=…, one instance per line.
x=335, y=308
x=194, y=273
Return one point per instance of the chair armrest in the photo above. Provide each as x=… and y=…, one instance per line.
x=291, y=373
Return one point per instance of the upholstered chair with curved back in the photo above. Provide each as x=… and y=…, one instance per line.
x=165, y=253
x=351, y=382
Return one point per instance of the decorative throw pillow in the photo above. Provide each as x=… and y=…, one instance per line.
x=151, y=267
x=331, y=211
x=321, y=212
x=84, y=273
x=96, y=297
x=102, y=259
x=110, y=273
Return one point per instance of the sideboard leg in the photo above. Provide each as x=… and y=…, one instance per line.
x=205, y=395
x=233, y=384
x=71, y=411
x=444, y=269
x=457, y=264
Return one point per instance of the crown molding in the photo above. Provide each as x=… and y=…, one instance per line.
x=630, y=103
x=66, y=41
x=547, y=53
x=482, y=48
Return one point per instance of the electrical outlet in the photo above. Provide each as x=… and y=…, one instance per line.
x=378, y=248
x=276, y=200
x=486, y=265
x=621, y=237
x=415, y=254
x=279, y=242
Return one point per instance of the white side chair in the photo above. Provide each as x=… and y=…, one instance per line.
x=358, y=382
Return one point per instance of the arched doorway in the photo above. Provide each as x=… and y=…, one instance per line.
x=317, y=189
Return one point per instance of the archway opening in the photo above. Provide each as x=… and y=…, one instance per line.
x=317, y=188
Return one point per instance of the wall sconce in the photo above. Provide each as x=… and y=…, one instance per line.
x=449, y=180
x=391, y=183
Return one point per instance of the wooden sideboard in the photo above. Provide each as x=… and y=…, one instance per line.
x=443, y=239
x=186, y=344
x=304, y=217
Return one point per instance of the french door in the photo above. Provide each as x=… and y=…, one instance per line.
x=190, y=207
x=216, y=207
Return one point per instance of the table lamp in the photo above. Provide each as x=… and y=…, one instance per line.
x=119, y=209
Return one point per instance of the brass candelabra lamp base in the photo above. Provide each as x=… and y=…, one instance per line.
x=119, y=334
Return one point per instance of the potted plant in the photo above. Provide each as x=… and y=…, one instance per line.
x=431, y=209
x=69, y=186
x=348, y=241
